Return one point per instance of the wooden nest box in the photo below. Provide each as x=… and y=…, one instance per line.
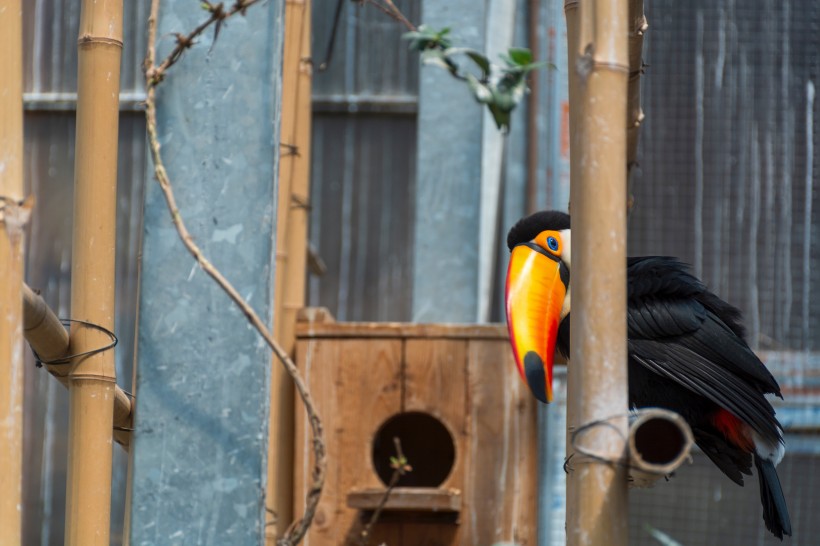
x=466, y=422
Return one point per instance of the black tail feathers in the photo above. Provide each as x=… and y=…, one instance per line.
x=775, y=513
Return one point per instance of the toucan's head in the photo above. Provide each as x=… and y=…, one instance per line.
x=538, y=294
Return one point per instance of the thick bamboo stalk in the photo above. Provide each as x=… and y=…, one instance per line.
x=291, y=256
x=49, y=339
x=92, y=379
x=13, y=215
x=598, y=386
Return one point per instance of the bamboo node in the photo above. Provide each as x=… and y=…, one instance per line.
x=640, y=27
x=15, y=215
x=587, y=63
x=89, y=39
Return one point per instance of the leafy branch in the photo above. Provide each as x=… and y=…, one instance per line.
x=400, y=467
x=500, y=87
x=154, y=74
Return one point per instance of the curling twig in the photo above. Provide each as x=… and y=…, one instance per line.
x=153, y=76
x=218, y=14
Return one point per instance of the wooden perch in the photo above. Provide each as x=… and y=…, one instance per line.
x=49, y=339
x=659, y=443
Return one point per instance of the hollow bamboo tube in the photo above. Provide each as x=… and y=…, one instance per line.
x=49, y=339
x=92, y=379
x=12, y=219
x=291, y=255
x=659, y=443
x=598, y=387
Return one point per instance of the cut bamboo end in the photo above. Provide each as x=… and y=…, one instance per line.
x=660, y=441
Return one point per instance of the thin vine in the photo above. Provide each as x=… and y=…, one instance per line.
x=154, y=74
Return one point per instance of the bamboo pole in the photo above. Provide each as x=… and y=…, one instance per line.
x=291, y=257
x=92, y=379
x=597, y=512
x=13, y=215
x=49, y=339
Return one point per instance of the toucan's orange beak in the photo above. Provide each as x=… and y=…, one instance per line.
x=535, y=294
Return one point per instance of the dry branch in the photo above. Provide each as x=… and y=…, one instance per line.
x=634, y=112
x=153, y=76
x=389, y=8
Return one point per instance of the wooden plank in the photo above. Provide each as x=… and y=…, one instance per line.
x=317, y=363
x=435, y=382
x=340, y=373
x=399, y=330
x=318, y=323
x=407, y=498
x=501, y=491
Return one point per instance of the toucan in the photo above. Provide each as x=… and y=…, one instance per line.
x=686, y=352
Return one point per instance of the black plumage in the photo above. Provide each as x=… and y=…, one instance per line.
x=687, y=353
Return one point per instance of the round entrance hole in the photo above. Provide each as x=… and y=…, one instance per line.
x=659, y=441
x=425, y=442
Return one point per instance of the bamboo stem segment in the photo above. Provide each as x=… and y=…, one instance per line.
x=13, y=216
x=291, y=257
x=92, y=378
x=49, y=339
x=597, y=510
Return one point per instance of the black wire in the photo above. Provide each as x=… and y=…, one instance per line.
x=63, y=360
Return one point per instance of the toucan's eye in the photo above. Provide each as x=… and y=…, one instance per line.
x=552, y=243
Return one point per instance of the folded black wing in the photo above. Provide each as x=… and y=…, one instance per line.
x=678, y=330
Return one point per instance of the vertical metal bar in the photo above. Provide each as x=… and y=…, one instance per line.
x=203, y=374
x=12, y=218
x=598, y=378
x=291, y=256
x=575, y=105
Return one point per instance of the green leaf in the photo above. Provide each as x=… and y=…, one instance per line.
x=480, y=60
x=428, y=38
x=520, y=56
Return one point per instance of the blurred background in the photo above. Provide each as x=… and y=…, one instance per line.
x=410, y=177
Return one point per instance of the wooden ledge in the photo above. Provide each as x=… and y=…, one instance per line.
x=317, y=322
x=410, y=499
